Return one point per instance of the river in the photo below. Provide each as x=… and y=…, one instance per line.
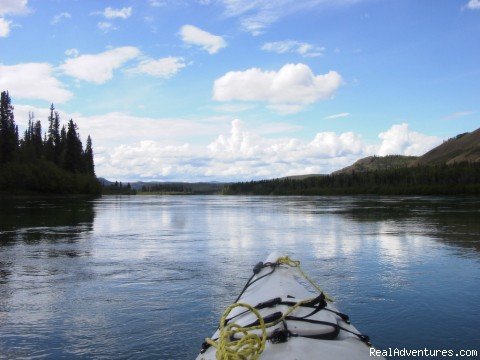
x=149, y=276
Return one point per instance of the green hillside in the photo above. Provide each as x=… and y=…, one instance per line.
x=373, y=163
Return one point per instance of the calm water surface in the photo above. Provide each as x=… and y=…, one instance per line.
x=149, y=276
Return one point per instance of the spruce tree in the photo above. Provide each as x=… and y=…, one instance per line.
x=52, y=134
x=8, y=129
x=90, y=167
x=74, y=160
x=26, y=144
x=37, y=141
x=56, y=138
x=62, y=146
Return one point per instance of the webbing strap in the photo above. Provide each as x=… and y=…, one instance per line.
x=256, y=270
x=317, y=303
x=362, y=337
x=279, y=336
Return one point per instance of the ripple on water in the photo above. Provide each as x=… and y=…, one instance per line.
x=148, y=277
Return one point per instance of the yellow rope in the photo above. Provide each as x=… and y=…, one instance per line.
x=249, y=346
x=295, y=263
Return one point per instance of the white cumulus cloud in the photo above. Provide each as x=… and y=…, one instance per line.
x=59, y=17
x=99, y=68
x=244, y=155
x=4, y=27
x=106, y=26
x=72, y=52
x=192, y=35
x=162, y=68
x=289, y=89
x=293, y=46
x=400, y=140
x=123, y=13
x=156, y=3
x=13, y=7
x=33, y=81
x=473, y=5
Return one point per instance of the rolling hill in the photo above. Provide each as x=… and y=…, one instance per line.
x=459, y=149
x=372, y=163
x=462, y=148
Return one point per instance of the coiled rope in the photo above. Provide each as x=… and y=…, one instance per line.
x=249, y=346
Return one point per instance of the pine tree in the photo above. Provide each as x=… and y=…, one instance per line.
x=37, y=141
x=90, y=167
x=74, y=160
x=8, y=129
x=62, y=146
x=56, y=139
x=26, y=145
x=52, y=145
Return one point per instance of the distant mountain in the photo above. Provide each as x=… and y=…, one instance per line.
x=104, y=181
x=462, y=148
x=373, y=163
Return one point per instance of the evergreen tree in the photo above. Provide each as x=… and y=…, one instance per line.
x=74, y=160
x=37, y=139
x=62, y=145
x=8, y=129
x=27, y=151
x=52, y=145
x=31, y=165
x=56, y=138
x=90, y=167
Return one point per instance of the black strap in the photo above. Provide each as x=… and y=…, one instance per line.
x=279, y=335
x=257, y=268
x=325, y=336
x=362, y=337
x=319, y=303
x=266, y=304
x=267, y=319
x=343, y=316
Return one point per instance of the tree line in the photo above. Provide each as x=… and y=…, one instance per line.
x=459, y=178
x=118, y=188
x=167, y=189
x=38, y=161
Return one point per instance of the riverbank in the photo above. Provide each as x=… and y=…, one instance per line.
x=455, y=179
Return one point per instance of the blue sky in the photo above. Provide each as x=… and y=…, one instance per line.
x=239, y=90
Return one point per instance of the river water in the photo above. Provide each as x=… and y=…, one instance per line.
x=149, y=276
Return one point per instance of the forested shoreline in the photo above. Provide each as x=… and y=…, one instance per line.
x=455, y=179
x=44, y=162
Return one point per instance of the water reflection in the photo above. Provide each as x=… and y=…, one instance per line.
x=35, y=220
x=148, y=276
x=39, y=239
x=452, y=220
